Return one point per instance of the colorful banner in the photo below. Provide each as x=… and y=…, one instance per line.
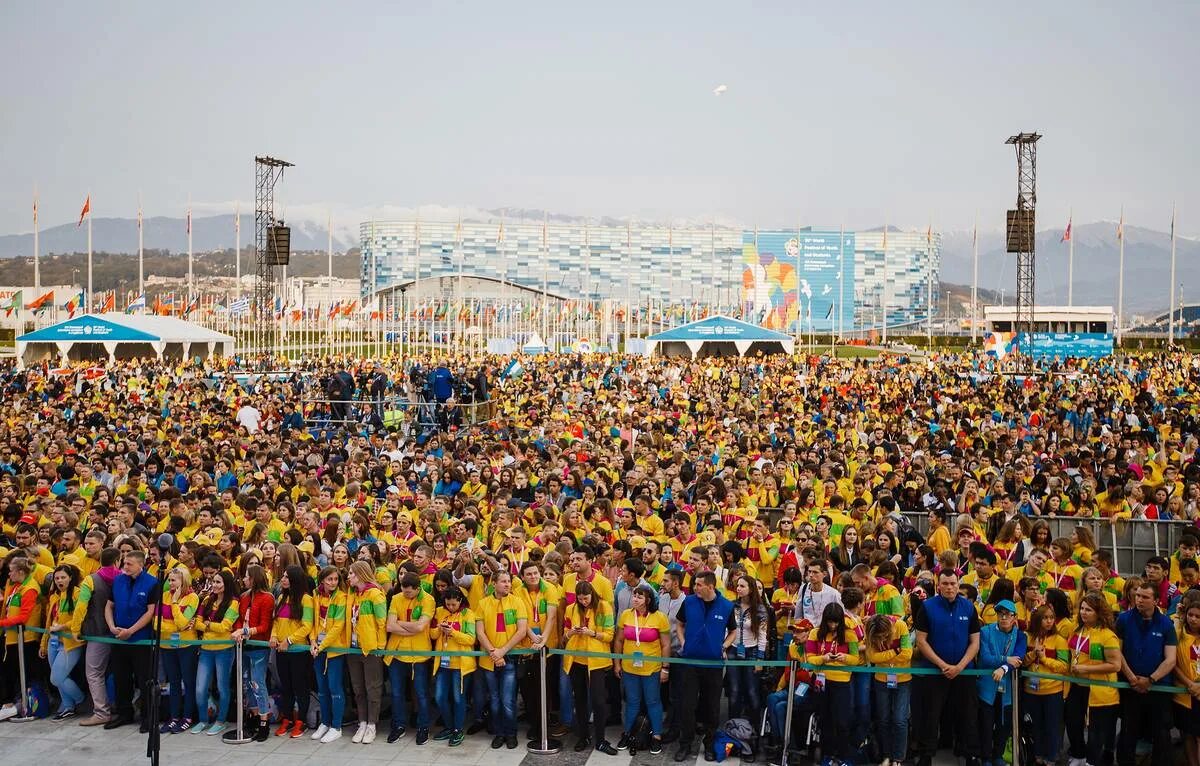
x=805, y=276
x=1052, y=345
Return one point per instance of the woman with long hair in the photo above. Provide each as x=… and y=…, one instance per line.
x=746, y=640
x=1009, y=545
x=588, y=627
x=644, y=632
x=328, y=643
x=1187, y=703
x=178, y=607
x=1042, y=698
x=291, y=627
x=367, y=613
x=847, y=553
x=923, y=568
x=1095, y=654
x=1083, y=545
x=889, y=646
x=214, y=620
x=453, y=629
x=256, y=615
x=831, y=645
x=58, y=647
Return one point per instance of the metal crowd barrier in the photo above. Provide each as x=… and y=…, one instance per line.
x=395, y=412
x=1131, y=541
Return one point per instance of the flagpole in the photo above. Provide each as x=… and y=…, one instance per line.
x=237, y=248
x=191, y=289
x=1071, y=261
x=841, y=301
x=1121, y=275
x=88, y=304
x=329, y=259
x=141, y=261
x=975, y=280
x=1171, y=284
x=884, y=296
x=929, y=287
x=37, y=272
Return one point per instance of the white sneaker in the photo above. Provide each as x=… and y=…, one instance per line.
x=333, y=735
x=1076, y=762
x=320, y=732
x=359, y=734
x=8, y=711
x=369, y=737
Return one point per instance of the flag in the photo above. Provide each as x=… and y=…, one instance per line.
x=885, y=237
x=514, y=369
x=240, y=307
x=278, y=307
x=189, y=219
x=42, y=303
x=237, y=218
x=14, y=303
x=139, y=216
x=35, y=210
x=335, y=309
x=137, y=304
x=500, y=232
x=348, y=309
x=192, y=306
x=74, y=303
x=110, y=302
x=1066, y=237
x=1121, y=225
x=87, y=208
x=929, y=235
x=829, y=313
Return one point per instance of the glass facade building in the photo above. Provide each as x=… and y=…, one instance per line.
x=829, y=279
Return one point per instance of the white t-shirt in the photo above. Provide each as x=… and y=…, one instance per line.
x=810, y=604
x=249, y=418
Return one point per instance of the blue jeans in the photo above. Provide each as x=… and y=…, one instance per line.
x=180, y=667
x=254, y=676
x=891, y=719
x=220, y=664
x=566, y=703
x=401, y=673
x=639, y=689
x=502, y=689
x=62, y=662
x=451, y=701
x=745, y=701
x=860, y=728
x=1046, y=712
x=331, y=689
x=777, y=712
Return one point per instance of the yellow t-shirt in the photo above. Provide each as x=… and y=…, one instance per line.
x=1087, y=646
x=500, y=618
x=641, y=635
x=408, y=609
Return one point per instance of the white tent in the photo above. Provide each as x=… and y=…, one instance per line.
x=122, y=336
x=718, y=335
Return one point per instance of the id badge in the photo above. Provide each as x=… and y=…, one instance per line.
x=320, y=638
x=801, y=690
x=820, y=681
x=740, y=652
x=637, y=661
x=892, y=680
x=353, y=640
x=1033, y=684
x=445, y=662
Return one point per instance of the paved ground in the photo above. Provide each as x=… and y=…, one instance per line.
x=45, y=742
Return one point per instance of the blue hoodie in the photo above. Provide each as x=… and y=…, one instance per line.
x=993, y=650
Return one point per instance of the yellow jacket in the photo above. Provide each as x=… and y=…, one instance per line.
x=407, y=609
x=897, y=655
x=57, y=613
x=175, y=617
x=217, y=627
x=599, y=620
x=367, y=612
x=461, y=639
x=330, y=622
x=294, y=628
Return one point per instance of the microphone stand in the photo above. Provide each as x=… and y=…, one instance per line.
x=151, y=697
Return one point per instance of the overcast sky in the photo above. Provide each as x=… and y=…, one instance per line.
x=835, y=112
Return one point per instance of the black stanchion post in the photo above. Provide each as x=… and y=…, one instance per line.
x=787, y=721
x=23, y=696
x=239, y=733
x=547, y=746
x=1016, y=717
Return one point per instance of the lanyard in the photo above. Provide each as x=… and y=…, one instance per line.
x=637, y=630
x=1083, y=646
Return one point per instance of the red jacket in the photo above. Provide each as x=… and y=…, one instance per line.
x=258, y=612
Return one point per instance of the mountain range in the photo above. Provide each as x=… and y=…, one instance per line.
x=1147, y=252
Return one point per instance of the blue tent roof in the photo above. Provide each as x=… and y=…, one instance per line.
x=87, y=328
x=719, y=327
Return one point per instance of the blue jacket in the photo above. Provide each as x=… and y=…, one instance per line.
x=705, y=627
x=993, y=649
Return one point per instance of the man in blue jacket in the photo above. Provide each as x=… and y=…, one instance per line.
x=947, y=639
x=135, y=594
x=1149, y=647
x=701, y=626
x=1001, y=648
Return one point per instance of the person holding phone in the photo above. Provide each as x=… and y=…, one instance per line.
x=831, y=645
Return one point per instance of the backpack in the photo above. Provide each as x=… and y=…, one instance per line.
x=639, y=735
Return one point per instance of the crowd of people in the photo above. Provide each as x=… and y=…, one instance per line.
x=727, y=514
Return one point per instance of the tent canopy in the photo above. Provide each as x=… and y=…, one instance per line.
x=113, y=335
x=718, y=334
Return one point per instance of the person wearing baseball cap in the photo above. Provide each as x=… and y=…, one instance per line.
x=1002, y=647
